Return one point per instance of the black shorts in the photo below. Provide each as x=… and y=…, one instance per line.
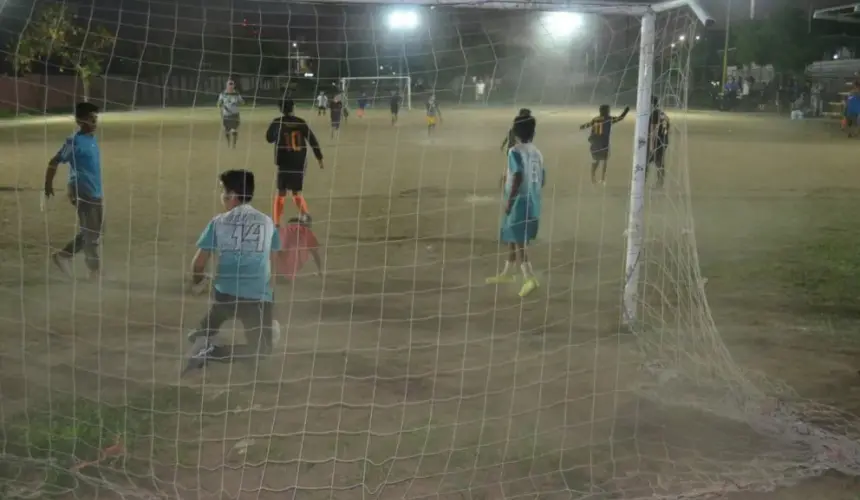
x=658, y=156
x=256, y=319
x=231, y=122
x=600, y=154
x=290, y=179
x=395, y=111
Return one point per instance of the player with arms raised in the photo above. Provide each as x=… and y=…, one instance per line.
x=244, y=242
x=601, y=131
x=522, y=199
x=229, y=102
x=291, y=136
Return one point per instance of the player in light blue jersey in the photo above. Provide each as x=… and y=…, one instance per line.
x=81, y=152
x=522, y=198
x=244, y=242
x=229, y=102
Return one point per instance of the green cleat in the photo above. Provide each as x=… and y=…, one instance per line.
x=529, y=286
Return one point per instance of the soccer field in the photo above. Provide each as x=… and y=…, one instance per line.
x=402, y=373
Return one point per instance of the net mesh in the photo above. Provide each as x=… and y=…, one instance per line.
x=399, y=372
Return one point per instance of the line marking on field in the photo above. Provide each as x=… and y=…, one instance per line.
x=480, y=200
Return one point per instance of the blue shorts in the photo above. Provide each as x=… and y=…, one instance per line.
x=518, y=227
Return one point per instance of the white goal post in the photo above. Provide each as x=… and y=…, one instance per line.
x=405, y=84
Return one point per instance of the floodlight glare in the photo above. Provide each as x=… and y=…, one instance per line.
x=682, y=38
x=403, y=20
x=562, y=23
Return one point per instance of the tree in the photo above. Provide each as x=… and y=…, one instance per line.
x=56, y=35
x=782, y=40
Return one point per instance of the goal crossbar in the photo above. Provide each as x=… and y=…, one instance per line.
x=583, y=6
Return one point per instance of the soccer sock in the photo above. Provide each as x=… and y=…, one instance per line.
x=300, y=203
x=507, y=268
x=527, y=269
x=278, y=209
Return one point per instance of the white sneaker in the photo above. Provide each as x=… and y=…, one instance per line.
x=200, y=352
x=276, y=333
x=64, y=264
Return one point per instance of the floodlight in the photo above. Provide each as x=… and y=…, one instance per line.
x=682, y=38
x=403, y=20
x=698, y=37
x=562, y=23
x=295, y=44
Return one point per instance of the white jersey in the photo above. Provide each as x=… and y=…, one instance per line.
x=322, y=101
x=229, y=103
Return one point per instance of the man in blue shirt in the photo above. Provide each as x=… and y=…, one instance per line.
x=81, y=153
x=852, y=110
x=244, y=241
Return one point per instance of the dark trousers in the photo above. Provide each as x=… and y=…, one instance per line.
x=256, y=318
x=90, y=228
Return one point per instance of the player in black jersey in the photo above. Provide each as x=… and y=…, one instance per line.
x=658, y=141
x=601, y=130
x=395, y=106
x=291, y=136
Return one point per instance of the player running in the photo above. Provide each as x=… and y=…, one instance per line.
x=433, y=114
x=321, y=103
x=522, y=198
x=601, y=131
x=362, y=104
x=229, y=102
x=244, y=242
x=291, y=136
x=395, y=106
x=658, y=141
x=83, y=155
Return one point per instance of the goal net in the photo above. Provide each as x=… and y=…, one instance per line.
x=399, y=372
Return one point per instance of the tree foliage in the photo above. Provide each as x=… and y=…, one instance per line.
x=782, y=40
x=56, y=35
